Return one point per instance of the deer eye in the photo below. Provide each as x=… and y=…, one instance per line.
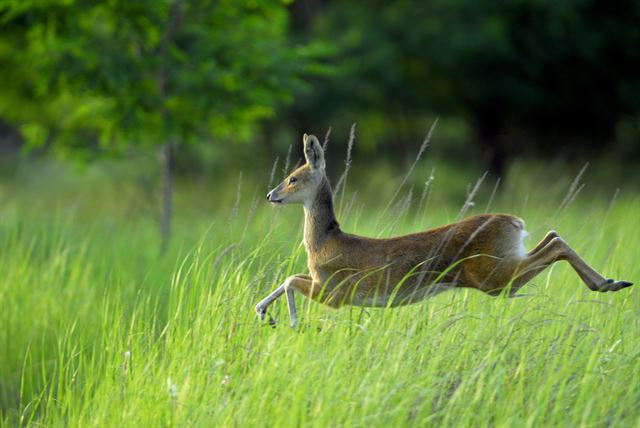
x=292, y=180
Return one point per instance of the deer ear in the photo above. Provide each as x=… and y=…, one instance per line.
x=313, y=152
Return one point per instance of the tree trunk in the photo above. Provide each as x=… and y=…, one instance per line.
x=495, y=159
x=167, y=192
x=494, y=153
x=169, y=145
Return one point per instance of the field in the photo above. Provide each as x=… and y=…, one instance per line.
x=99, y=329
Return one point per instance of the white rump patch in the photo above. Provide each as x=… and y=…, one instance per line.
x=522, y=250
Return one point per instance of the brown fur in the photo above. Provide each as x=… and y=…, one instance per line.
x=483, y=252
x=347, y=268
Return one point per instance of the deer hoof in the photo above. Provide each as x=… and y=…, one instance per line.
x=261, y=311
x=619, y=285
x=612, y=285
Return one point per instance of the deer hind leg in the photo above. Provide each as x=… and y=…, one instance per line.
x=547, y=238
x=261, y=308
x=557, y=249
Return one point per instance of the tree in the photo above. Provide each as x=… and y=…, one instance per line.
x=527, y=75
x=154, y=72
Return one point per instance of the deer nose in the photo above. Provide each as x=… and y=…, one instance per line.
x=269, y=196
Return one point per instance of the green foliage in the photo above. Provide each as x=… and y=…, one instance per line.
x=116, y=73
x=519, y=76
x=540, y=74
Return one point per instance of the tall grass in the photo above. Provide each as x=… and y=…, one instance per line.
x=98, y=329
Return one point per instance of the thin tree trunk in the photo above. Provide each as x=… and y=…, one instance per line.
x=169, y=145
x=493, y=149
x=167, y=192
x=495, y=158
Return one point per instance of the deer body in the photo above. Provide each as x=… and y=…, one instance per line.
x=485, y=252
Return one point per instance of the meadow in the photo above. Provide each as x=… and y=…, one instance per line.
x=100, y=329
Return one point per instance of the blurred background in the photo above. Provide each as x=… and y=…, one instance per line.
x=138, y=140
x=215, y=95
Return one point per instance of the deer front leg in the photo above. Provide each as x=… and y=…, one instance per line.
x=261, y=308
x=303, y=284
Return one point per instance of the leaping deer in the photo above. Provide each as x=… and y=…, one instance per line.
x=485, y=252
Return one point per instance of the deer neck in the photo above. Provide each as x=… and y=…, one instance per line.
x=319, y=219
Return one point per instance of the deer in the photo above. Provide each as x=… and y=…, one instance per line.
x=483, y=252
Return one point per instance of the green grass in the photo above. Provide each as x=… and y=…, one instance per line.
x=98, y=329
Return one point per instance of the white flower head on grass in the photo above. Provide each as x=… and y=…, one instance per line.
x=172, y=388
x=126, y=362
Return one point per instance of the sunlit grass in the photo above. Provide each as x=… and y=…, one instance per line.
x=99, y=329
